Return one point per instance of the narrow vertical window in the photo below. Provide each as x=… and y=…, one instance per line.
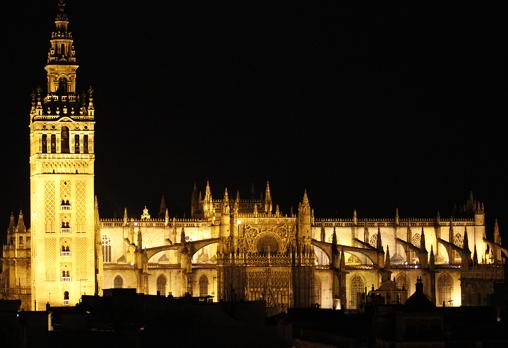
x=65, y=140
x=203, y=286
x=76, y=143
x=53, y=143
x=118, y=282
x=85, y=143
x=44, y=143
x=161, y=285
x=106, y=248
x=62, y=85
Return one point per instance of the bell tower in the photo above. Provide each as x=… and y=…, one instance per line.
x=62, y=179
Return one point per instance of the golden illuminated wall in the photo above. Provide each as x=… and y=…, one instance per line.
x=49, y=235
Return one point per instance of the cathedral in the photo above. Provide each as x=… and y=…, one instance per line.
x=231, y=249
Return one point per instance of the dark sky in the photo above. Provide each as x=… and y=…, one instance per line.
x=370, y=108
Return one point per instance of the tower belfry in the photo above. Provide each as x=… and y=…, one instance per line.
x=62, y=178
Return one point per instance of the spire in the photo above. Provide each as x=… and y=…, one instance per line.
x=195, y=200
x=475, y=257
x=422, y=241
x=379, y=243
x=305, y=198
x=125, y=217
x=438, y=217
x=20, y=228
x=208, y=191
x=497, y=235
x=225, y=202
x=12, y=224
x=237, y=202
x=140, y=239
x=355, y=217
x=166, y=217
x=162, y=207
x=432, y=260
x=182, y=236
x=366, y=236
x=207, y=201
x=396, y=216
x=342, y=260
x=277, y=210
x=465, y=245
x=387, y=259
x=470, y=203
x=268, y=199
x=334, y=237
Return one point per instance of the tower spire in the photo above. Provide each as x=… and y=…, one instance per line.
x=21, y=228
x=225, y=202
x=422, y=241
x=237, y=202
x=387, y=259
x=305, y=198
x=432, y=259
x=162, y=207
x=497, y=235
x=465, y=244
x=61, y=56
x=12, y=224
x=379, y=243
x=268, y=199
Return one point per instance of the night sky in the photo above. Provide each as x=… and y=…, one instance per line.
x=370, y=108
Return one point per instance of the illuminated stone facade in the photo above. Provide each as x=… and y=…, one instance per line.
x=231, y=248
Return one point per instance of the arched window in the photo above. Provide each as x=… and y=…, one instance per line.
x=444, y=288
x=53, y=143
x=76, y=143
x=44, y=143
x=317, y=291
x=161, y=285
x=203, y=286
x=85, y=143
x=62, y=84
x=118, y=282
x=106, y=248
x=65, y=140
x=66, y=297
x=401, y=281
x=357, y=288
